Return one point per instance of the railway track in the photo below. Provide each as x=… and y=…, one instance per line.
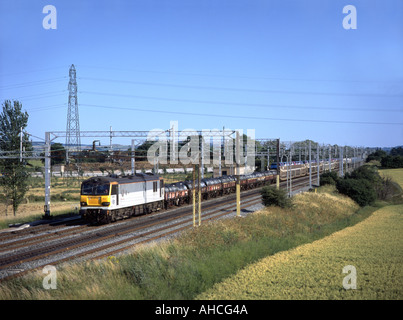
x=32, y=248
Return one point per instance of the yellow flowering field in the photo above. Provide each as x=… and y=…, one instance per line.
x=315, y=271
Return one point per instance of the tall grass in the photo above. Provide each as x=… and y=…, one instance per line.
x=183, y=267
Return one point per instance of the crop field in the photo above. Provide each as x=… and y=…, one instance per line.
x=314, y=271
x=395, y=174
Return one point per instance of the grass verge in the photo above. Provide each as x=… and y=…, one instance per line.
x=61, y=210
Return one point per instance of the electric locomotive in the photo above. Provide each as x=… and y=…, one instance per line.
x=107, y=199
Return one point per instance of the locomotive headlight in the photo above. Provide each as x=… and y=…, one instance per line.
x=83, y=204
x=106, y=204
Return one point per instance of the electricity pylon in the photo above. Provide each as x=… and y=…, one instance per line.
x=73, y=141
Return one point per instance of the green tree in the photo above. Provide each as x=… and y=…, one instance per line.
x=392, y=162
x=14, y=173
x=141, y=151
x=377, y=155
x=58, y=153
x=396, y=151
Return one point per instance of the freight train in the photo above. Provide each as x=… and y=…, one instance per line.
x=111, y=198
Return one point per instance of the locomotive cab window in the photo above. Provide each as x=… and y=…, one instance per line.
x=155, y=186
x=95, y=189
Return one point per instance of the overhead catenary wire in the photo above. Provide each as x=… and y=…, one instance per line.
x=234, y=116
x=48, y=107
x=185, y=86
x=259, y=105
x=42, y=95
x=241, y=117
x=32, y=83
x=31, y=71
x=232, y=76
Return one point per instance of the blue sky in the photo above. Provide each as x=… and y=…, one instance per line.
x=287, y=69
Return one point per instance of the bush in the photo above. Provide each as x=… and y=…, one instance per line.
x=374, y=163
x=369, y=173
x=388, y=190
x=329, y=178
x=360, y=190
x=364, y=185
x=271, y=196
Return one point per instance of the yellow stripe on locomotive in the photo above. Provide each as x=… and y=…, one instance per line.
x=95, y=201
